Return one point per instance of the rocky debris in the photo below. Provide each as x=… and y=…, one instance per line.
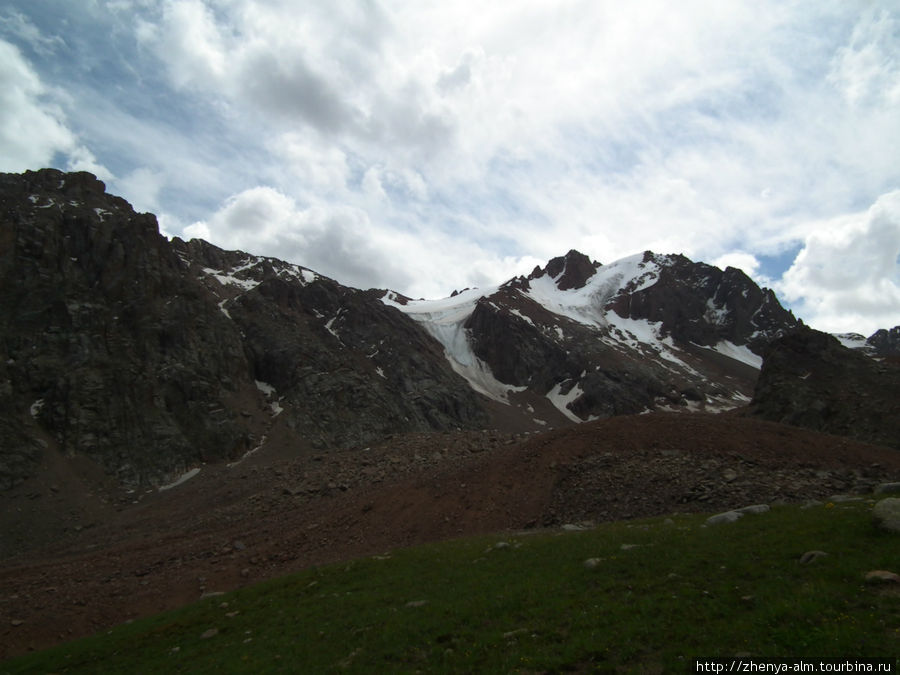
x=610, y=480
x=172, y=547
x=210, y=633
x=886, y=514
x=887, y=489
x=811, y=556
x=809, y=379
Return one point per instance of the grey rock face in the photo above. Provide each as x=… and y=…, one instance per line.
x=809, y=379
x=143, y=354
x=701, y=304
x=107, y=346
x=885, y=342
x=152, y=357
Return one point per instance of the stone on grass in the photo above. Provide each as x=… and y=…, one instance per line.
x=727, y=517
x=592, y=563
x=755, y=508
x=212, y=632
x=886, y=514
x=882, y=577
x=811, y=556
x=887, y=489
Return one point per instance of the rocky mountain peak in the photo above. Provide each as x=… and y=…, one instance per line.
x=885, y=342
x=150, y=357
x=570, y=271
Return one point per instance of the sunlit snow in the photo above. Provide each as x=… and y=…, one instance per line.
x=444, y=320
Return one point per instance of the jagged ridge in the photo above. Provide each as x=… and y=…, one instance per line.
x=151, y=357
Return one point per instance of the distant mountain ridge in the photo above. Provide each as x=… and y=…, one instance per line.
x=151, y=356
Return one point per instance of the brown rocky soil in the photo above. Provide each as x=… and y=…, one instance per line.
x=78, y=555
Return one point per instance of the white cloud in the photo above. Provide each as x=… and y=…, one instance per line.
x=847, y=278
x=143, y=187
x=747, y=262
x=318, y=169
x=341, y=242
x=868, y=68
x=21, y=26
x=32, y=130
x=189, y=41
x=82, y=159
x=431, y=145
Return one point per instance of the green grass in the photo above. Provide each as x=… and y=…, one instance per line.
x=685, y=591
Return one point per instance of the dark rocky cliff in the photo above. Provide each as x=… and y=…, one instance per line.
x=116, y=345
x=151, y=357
x=108, y=348
x=809, y=379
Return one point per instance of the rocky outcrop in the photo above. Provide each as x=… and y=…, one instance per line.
x=151, y=357
x=626, y=337
x=809, y=379
x=570, y=271
x=885, y=342
x=701, y=304
x=109, y=350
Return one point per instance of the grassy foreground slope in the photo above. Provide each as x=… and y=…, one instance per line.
x=659, y=593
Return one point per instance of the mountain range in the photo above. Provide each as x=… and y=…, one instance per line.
x=151, y=356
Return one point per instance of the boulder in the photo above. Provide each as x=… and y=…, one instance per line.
x=811, y=556
x=726, y=517
x=755, y=509
x=886, y=514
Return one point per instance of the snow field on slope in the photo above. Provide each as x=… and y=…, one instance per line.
x=444, y=320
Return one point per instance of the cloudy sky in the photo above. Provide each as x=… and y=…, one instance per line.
x=426, y=146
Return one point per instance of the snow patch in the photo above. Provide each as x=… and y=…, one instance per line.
x=519, y=314
x=249, y=453
x=265, y=388
x=740, y=353
x=181, y=479
x=587, y=305
x=562, y=401
x=716, y=316
x=36, y=407
x=330, y=323
x=852, y=340
x=270, y=394
x=644, y=336
x=444, y=320
x=226, y=279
